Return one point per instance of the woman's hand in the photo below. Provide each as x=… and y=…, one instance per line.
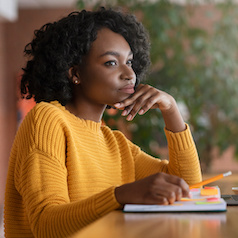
x=158, y=188
x=147, y=97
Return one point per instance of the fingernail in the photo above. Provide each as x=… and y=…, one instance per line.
x=129, y=118
x=124, y=113
x=141, y=112
x=117, y=105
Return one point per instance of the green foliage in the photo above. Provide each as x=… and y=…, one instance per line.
x=197, y=67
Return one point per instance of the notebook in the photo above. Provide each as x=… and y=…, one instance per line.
x=206, y=199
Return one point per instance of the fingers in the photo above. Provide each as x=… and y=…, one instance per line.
x=159, y=188
x=180, y=183
x=157, y=199
x=171, y=194
x=170, y=187
x=145, y=98
x=140, y=102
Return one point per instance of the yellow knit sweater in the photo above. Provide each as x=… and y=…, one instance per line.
x=63, y=171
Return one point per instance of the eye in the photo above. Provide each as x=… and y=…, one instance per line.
x=129, y=62
x=111, y=63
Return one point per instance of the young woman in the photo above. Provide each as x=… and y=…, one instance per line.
x=66, y=169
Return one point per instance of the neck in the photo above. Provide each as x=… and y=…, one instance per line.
x=85, y=111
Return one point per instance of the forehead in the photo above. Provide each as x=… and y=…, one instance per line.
x=108, y=40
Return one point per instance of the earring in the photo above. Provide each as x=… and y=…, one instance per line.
x=76, y=81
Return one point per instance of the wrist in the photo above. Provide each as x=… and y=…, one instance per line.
x=173, y=120
x=119, y=195
x=170, y=107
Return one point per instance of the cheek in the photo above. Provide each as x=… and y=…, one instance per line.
x=100, y=82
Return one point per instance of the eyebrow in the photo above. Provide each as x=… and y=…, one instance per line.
x=115, y=53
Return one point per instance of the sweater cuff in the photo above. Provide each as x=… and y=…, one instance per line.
x=106, y=202
x=180, y=141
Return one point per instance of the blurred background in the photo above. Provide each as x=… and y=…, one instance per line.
x=194, y=52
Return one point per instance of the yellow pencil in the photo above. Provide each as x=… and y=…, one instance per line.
x=207, y=181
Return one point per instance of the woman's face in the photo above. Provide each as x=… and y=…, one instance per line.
x=106, y=75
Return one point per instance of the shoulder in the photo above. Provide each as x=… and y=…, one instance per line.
x=44, y=112
x=43, y=118
x=42, y=129
x=40, y=133
x=47, y=110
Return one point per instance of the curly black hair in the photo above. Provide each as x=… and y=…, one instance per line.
x=60, y=45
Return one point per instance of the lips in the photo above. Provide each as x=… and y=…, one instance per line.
x=128, y=89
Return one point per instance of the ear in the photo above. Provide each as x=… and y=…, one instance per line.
x=74, y=75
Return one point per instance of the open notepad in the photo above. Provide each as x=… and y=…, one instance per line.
x=202, y=200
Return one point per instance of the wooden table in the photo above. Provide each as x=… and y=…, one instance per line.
x=167, y=225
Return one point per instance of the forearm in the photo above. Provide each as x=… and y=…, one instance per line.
x=49, y=208
x=62, y=220
x=183, y=157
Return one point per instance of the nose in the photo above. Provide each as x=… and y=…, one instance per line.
x=128, y=73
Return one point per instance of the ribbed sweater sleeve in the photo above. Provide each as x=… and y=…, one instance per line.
x=183, y=158
x=48, y=208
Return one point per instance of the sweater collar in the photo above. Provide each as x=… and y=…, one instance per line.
x=92, y=125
